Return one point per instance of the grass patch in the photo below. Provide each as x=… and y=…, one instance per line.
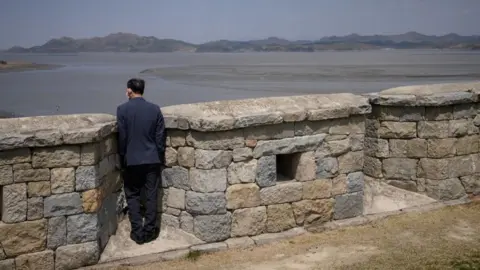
x=470, y=262
x=193, y=255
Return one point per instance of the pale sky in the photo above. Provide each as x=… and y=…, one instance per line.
x=33, y=22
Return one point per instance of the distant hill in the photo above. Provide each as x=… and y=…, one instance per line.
x=126, y=42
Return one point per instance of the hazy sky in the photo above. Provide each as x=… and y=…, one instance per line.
x=33, y=22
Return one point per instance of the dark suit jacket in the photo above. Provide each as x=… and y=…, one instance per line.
x=141, y=133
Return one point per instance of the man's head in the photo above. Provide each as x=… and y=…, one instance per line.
x=135, y=88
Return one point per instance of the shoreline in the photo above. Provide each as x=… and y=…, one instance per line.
x=18, y=66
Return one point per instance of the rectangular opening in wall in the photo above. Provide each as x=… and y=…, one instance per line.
x=286, y=168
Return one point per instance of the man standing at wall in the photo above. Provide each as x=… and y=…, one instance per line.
x=141, y=147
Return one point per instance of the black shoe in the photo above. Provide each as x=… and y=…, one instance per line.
x=151, y=236
x=136, y=239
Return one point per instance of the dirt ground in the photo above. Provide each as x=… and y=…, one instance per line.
x=448, y=238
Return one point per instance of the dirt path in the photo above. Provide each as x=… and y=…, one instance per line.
x=448, y=238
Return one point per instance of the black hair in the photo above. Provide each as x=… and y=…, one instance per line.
x=137, y=85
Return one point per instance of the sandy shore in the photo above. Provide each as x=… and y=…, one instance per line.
x=17, y=66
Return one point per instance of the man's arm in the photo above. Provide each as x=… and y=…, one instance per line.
x=160, y=136
x=122, y=137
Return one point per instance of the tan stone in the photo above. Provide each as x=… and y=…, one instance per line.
x=41, y=260
x=350, y=162
x=339, y=185
x=242, y=172
x=243, y=196
x=39, y=189
x=249, y=221
x=357, y=142
x=251, y=143
x=176, y=198
x=439, y=148
x=398, y=113
x=304, y=166
x=279, y=131
x=6, y=175
x=317, y=189
x=433, y=129
x=9, y=157
x=62, y=180
x=31, y=175
x=224, y=140
x=372, y=167
x=312, y=127
x=92, y=200
x=414, y=148
x=177, y=138
x=376, y=147
x=24, y=237
x=308, y=211
x=186, y=157
x=397, y=130
x=91, y=154
x=280, y=218
x=170, y=157
x=400, y=168
x=462, y=127
x=14, y=203
x=22, y=166
x=467, y=145
x=438, y=169
x=351, y=125
x=56, y=157
x=282, y=193
x=445, y=190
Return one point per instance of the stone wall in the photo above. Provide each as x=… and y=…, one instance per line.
x=59, y=188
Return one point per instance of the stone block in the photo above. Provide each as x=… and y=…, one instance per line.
x=242, y=154
x=439, y=113
x=38, y=189
x=76, y=256
x=304, y=166
x=213, y=228
x=169, y=221
x=177, y=138
x=371, y=128
x=175, y=177
x=313, y=211
x=400, y=168
x=257, y=119
x=206, y=203
x=397, y=130
x=57, y=232
x=462, y=127
x=372, y=167
x=214, y=180
x=339, y=185
x=41, y=260
x=317, y=189
x=414, y=148
x=351, y=125
x=212, y=247
x=186, y=157
x=397, y=113
x=433, y=129
x=186, y=222
x=266, y=174
x=249, y=221
x=280, y=218
x=35, y=208
x=279, y=131
x=355, y=182
x=6, y=175
x=350, y=162
x=87, y=177
x=282, y=193
x=109, y=145
x=471, y=183
x=327, y=167
x=464, y=111
x=440, y=148
x=223, y=140
x=467, y=145
x=348, y=205
x=15, y=156
x=288, y=145
x=56, y=157
x=92, y=200
x=243, y=196
x=312, y=127
x=357, y=142
x=239, y=242
x=22, y=166
x=63, y=204
x=82, y=228
x=31, y=175
x=176, y=198
x=14, y=203
x=376, y=147
x=62, y=180
x=209, y=159
x=173, y=211
x=24, y=237
x=445, y=190
x=439, y=169
x=170, y=157
x=250, y=144
x=90, y=154
x=242, y=172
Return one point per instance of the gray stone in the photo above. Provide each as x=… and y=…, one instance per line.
x=280, y=218
x=433, y=129
x=453, y=167
x=214, y=180
x=268, y=238
x=207, y=248
x=76, y=256
x=266, y=174
x=176, y=198
x=22, y=166
x=414, y=148
x=407, y=185
x=35, y=208
x=169, y=221
x=372, y=167
x=249, y=221
x=242, y=196
x=282, y=193
x=242, y=154
x=14, y=203
x=464, y=111
x=242, y=172
x=337, y=147
x=439, y=113
x=312, y=127
x=445, y=190
x=206, y=203
x=31, y=175
x=357, y=142
x=175, y=177
x=288, y=145
x=376, y=147
x=398, y=113
x=400, y=168
x=91, y=153
x=280, y=131
x=467, y=145
x=224, y=140
x=186, y=157
x=462, y=127
x=257, y=118
x=348, y=205
x=7, y=264
x=173, y=211
x=347, y=126
x=82, y=228
x=63, y=204
x=55, y=157
x=440, y=148
x=186, y=222
x=41, y=260
x=62, y=180
x=209, y=159
x=355, y=182
x=170, y=157
x=15, y=156
x=57, y=232
x=213, y=228
x=177, y=138
x=87, y=177
x=350, y=162
x=397, y=130
x=327, y=167
x=239, y=242
x=471, y=184
x=6, y=175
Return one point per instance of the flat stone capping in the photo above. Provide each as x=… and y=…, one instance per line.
x=42, y=131
x=428, y=95
x=234, y=114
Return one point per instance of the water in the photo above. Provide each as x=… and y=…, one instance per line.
x=95, y=82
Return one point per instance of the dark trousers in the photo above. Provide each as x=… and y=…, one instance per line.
x=142, y=178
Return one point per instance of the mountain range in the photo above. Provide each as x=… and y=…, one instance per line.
x=127, y=42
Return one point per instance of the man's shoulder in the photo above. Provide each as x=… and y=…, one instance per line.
x=122, y=106
x=153, y=106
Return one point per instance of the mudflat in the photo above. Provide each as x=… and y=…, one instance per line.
x=16, y=66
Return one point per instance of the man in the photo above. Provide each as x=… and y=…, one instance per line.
x=141, y=147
